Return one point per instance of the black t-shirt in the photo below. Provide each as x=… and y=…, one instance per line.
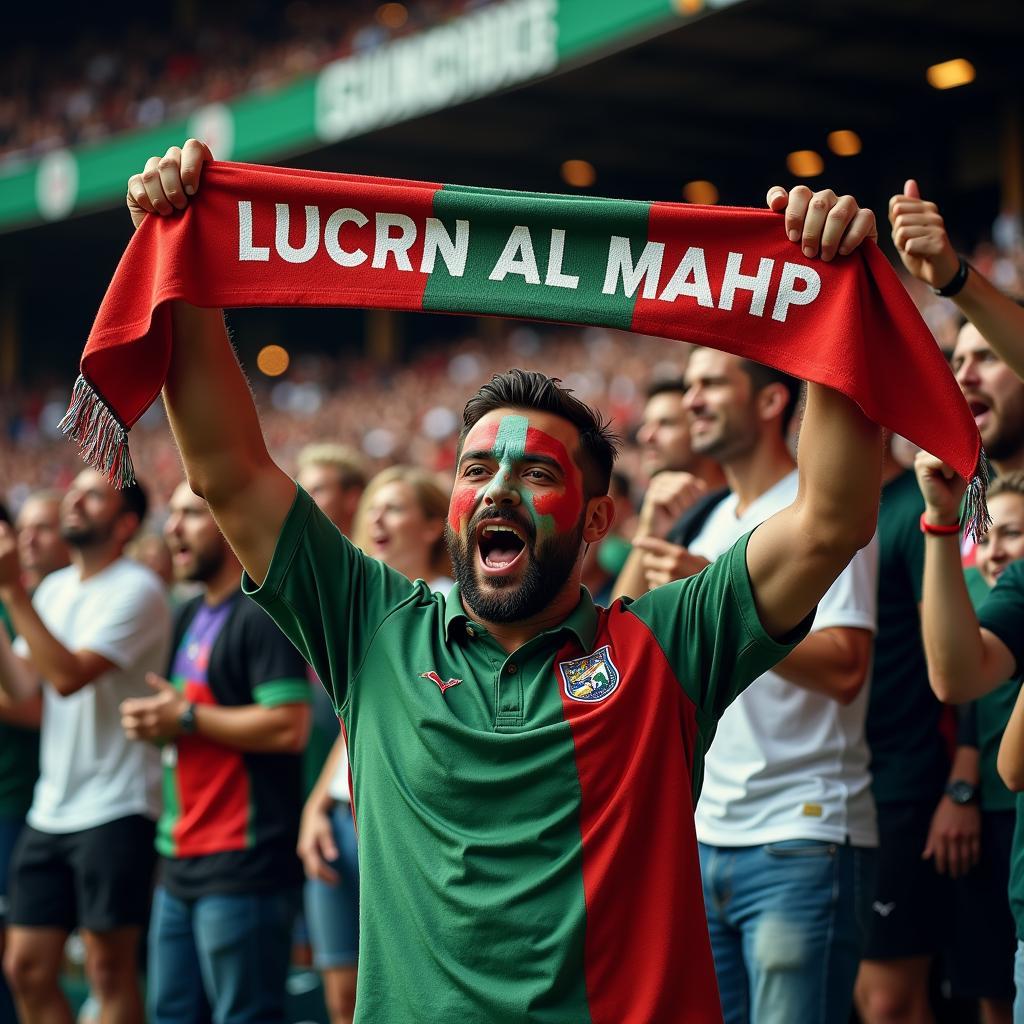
x=230, y=820
x=908, y=755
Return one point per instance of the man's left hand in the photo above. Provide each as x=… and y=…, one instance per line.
x=154, y=718
x=954, y=838
x=823, y=223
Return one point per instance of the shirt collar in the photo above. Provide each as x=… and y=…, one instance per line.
x=581, y=621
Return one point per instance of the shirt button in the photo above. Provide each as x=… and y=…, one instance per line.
x=512, y=668
x=470, y=632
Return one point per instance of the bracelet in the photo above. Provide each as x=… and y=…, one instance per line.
x=955, y=286
x=938, y=531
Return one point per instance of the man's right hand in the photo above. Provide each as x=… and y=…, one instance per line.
x=919, y=234
x=316, y=847
x=669, y=495
x=166, y=183
x=942, y=488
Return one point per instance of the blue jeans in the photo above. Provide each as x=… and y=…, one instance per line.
x=1018, y=981
x=222, y=957
x=332, y=911
x=788, y=922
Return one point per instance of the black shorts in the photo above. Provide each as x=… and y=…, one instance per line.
x=983, y=940
x=908, y=903
x=99, y=879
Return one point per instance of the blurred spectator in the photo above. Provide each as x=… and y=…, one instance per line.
x=41, y=547
x=87, y=636
x=400, y=521
x=233, y=719
x=151, y=550
x=125, y=77
x=335, y=476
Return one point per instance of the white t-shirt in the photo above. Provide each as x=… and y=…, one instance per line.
x=787, y=763
x=90, y=772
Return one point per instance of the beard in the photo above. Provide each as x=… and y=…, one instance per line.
x=87, y=535
x=205, y=565
x=506, y=598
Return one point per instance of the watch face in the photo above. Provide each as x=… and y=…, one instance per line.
x=961, y=792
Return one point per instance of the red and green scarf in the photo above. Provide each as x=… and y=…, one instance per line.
x=727, y=278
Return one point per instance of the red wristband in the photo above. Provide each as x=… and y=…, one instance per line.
x=938, y=531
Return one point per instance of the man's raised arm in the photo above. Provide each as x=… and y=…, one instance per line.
x=209, y=404
x=919, y=234
x=795, y=556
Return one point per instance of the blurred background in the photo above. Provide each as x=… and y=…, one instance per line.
x=703, y=101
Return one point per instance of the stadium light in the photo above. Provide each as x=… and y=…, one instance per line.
x=702, y=192
x=272, y=360
x=392, y=15
x=844, y=143
x=950, y=73
x=805, y=163
x=578, y=173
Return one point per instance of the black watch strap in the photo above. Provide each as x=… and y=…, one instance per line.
x=955, y=286
x=187, y=720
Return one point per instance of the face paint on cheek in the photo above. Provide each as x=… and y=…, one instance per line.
x=466, y=494
x=564, y=507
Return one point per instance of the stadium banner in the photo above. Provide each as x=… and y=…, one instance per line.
x=494, y=47
x=724, y=277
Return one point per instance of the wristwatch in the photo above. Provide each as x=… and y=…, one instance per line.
x=962, y=792
x=187, y=720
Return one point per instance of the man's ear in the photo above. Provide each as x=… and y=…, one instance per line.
x=598, y=519
x=771, y=401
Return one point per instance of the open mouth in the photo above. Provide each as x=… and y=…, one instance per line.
x=979, y=409
x=501, y=546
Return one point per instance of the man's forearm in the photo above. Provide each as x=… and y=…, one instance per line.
x=254, y=728
x=797, y=554
x=833, y=662
x=26, y=714
x=949, y=625
x=996, y=316
x=840, y=465
x=18, y=680
x=1010, y=762
x=209, y=404
x=51, y=659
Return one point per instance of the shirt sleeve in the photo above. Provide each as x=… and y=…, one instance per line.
x=327, y=597
x=132, y=618
x=277, y=673
x=710, y=631
x=1003, y=612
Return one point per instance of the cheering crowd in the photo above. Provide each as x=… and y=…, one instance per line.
x=855, y=836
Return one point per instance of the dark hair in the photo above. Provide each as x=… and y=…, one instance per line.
x=135, y=500
x=528, y=389
x=665, y=386
x=5, y=516
x=761, y=376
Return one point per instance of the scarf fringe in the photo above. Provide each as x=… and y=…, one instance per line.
x=102, y=439
x=976, y=519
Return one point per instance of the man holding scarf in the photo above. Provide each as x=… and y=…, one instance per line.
x=524, y=764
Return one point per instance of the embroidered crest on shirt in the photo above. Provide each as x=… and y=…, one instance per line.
x=435, y=678
x=590, y=679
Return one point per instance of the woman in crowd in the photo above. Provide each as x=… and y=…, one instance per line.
x=400, y=520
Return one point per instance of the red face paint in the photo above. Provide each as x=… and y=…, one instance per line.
x=465, y=492
x=563, y=506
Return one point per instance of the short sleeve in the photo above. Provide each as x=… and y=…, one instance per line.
x=710, y=631
x=130, y=620
x=277, y=673
x=327, y=597
x=1003, y=612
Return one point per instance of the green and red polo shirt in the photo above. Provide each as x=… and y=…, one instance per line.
x=526, y=833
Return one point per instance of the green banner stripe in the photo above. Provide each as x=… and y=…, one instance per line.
x=584, y=225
